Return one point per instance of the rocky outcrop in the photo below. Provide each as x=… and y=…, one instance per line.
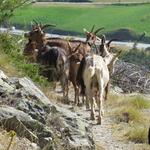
x=27, y=111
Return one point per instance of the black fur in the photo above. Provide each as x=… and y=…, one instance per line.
x=49, y=56
x=79, y=77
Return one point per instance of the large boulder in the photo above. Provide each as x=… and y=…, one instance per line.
x=25, y=109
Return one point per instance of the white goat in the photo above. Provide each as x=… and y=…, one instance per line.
x=96, y=76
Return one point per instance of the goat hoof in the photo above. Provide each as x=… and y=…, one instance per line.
x=79, y=104
x=102, y=112
x=87, y=107
x=99, y=121
x=92, y=117
x=66, y=101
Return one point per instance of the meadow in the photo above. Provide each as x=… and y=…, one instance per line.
x=114, y=1
x=77, y=17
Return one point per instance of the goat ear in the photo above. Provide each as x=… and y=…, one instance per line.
x=69, y=45
x=99, y=29
x=48, y=25
x=86, y=31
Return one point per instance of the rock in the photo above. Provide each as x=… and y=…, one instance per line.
x=73, y=129
x=25, y=109
x=10, y=118
x=5, y=86
x=33, y=91
x=15, y=124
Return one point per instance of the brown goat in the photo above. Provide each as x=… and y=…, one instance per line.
x=41, y=40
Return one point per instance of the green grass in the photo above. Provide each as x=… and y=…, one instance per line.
x=76, y=18
x=121, y=1
x=13, y=61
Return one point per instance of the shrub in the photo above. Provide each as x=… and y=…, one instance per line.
x=10, y=46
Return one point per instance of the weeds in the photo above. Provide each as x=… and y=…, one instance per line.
x=140, y=102
x=12, y=134
x=131, y=113
x=13, y=50
x=137, y=134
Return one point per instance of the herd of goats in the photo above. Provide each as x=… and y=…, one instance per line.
x=83, y=63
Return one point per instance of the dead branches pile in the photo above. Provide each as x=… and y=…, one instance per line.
x=131, y=78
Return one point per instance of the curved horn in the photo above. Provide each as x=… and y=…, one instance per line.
x=48, y=25
x=103, y=39
x=108, y=44
x=75, y=49
x=95, y=32
x=69, y=45
x=74, y=52
x=35, y=22
x=93, y=28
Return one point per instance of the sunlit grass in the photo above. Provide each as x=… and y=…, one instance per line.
x=137, y=134
x=76, y=18
x=13, y=61
x=131, y=114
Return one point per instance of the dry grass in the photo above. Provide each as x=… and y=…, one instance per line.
x=137, y=134
x=7, y=66
x=132, y=117
x=16, y=144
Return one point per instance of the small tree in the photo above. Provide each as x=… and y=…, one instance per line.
x=7, y=8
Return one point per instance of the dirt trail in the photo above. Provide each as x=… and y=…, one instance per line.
x=103, y=134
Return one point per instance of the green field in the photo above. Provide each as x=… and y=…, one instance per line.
x=75, y=18
x=142, y=1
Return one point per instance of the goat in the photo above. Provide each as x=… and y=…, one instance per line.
x=57, y=58
x=91, y=35
x=41, y=40
x=104, y=51
x=96, y=78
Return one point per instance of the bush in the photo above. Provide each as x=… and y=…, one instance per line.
x=10, y=46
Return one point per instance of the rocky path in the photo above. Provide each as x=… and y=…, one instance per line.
x=103, y=135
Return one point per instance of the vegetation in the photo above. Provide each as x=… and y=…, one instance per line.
x=132, y=119
x=7, y=8
x=74, y=18
x=137, y=134
x=134, y=55
x=121, y=1
x=12, y=51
